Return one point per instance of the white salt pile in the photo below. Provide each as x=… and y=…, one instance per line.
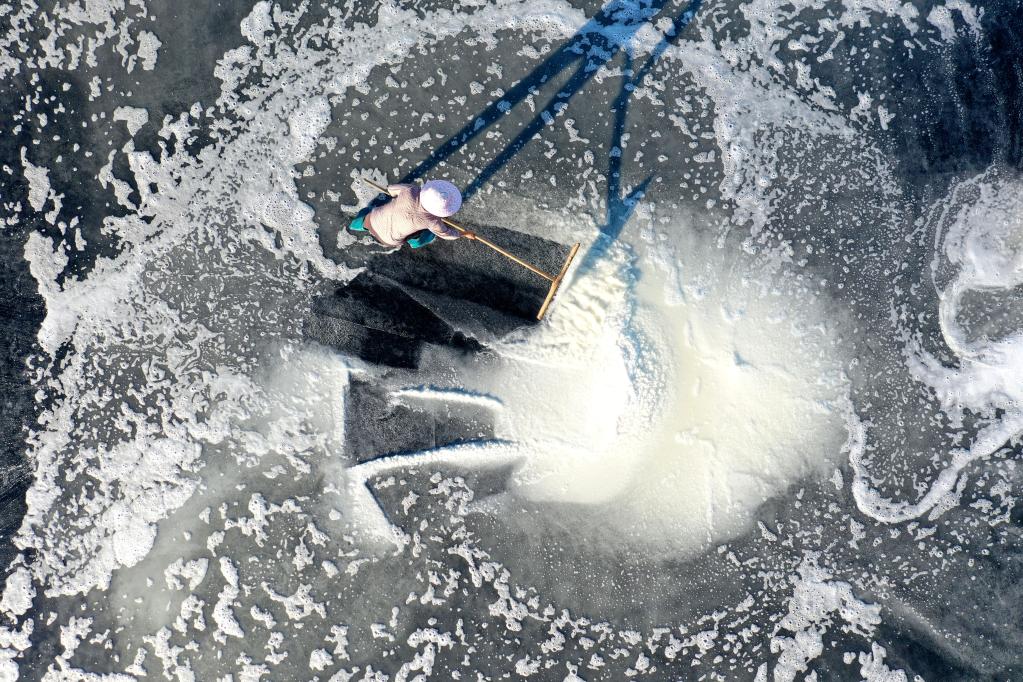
x=673, y=391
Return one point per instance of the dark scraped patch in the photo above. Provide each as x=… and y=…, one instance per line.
x=459, y=294
x=472, y=272
x=376, y=426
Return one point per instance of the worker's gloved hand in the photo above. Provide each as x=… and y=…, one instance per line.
x=403, y=216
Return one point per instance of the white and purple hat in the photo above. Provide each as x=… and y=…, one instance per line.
x=440, y=198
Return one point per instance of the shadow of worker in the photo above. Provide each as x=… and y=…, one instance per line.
x=464, y=296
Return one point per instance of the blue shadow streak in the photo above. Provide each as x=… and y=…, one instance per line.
x=620, y=208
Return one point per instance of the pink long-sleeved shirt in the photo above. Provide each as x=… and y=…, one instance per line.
x=402, y=216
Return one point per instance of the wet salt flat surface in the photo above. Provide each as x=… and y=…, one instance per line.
x=769, y=430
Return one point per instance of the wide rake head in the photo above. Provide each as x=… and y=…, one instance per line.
x=556, y=282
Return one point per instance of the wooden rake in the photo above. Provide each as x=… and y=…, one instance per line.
x=555, y=281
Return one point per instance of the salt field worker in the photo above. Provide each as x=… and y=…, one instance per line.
x=420, y=215
x=413, y=215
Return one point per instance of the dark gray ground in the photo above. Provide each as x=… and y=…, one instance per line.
x=958, y=110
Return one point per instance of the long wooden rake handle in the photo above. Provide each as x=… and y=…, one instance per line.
x=475, y=237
